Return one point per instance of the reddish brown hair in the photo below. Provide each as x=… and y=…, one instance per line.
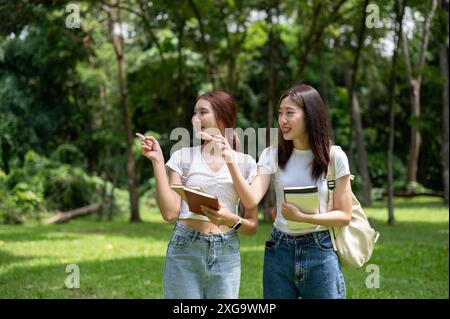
x=225, y=110
x=316, y=125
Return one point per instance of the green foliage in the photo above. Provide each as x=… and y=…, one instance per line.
x=378, y=170
x=43, y=184
x=20, y=204
x=414, y=187
x=69, y=154
x=70, y=187
x=59, y=88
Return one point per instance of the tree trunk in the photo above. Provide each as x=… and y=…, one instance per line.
x=314, y=36
x=75, y=213
x=117, y=42
x=361, y=148
x=355, y=113
x=415, y=133
x=180, y=85
x=209, y=64
x=400, y=9
x=269, y=198
x=443, y=57
x=415, y=83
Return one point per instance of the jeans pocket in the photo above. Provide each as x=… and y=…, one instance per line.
x=324, y=242
x=232, y=246
x=178, y=241
x=271, y=243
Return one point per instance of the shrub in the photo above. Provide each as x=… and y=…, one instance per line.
x=70, y=187
x=41, y=184
x=20, y=204
x=68, y=154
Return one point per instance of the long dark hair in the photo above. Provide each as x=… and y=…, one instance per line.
x=225, y=110
x=316, y=126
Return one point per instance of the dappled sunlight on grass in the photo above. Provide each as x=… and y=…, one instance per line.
x=125, y=260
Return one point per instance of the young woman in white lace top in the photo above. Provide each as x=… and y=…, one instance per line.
x=203, y=256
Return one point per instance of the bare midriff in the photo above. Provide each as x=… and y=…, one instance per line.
x=204, y=226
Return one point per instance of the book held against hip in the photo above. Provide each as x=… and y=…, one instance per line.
x=306, y=199
x=195, y=198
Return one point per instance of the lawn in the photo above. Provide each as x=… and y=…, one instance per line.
x=122, y=260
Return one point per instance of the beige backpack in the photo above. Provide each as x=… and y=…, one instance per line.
x=355, y=242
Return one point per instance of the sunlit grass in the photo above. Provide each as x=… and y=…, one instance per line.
x=124, y=260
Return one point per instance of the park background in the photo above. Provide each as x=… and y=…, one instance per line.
x=79, y=78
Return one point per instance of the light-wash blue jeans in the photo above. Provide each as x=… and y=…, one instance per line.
x=304, y=266
x=202, y=266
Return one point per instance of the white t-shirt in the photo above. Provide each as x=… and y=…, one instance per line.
x=297, y=172
x=219, y=184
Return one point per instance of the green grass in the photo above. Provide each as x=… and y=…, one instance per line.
x=122, y=260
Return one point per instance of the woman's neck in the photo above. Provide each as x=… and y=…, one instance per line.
x=212, y=150
x=301, y=143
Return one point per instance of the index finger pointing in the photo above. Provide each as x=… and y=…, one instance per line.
x=140, y=136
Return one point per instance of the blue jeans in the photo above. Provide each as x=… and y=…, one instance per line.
x=202, y=266
x=304, y=266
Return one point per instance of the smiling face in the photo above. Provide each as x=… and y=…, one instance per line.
x=204, y=117
x=291, y=120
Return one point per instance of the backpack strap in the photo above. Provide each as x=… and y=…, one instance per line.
x=331, y=183
x=331, y=176
x=187, y=156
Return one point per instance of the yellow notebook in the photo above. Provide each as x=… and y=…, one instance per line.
x=306, y=199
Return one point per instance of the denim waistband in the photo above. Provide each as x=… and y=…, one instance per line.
x=279, y=235
x=193, y=234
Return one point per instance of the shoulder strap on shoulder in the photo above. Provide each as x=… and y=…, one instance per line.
x=331, y=171
x=187, y=156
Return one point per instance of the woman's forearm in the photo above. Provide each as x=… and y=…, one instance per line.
x=168, y=204
x=244, y=190
x=333, y=218
x=249, y=223
x=248, y=227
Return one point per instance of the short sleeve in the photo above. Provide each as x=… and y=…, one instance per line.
x=342, y=166
x=174, y=162
x=268, y=160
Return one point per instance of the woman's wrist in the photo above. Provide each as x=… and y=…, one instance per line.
x=157, y=162
x=232, y=221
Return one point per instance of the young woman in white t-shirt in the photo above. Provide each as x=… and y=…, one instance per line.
x=299, y=263
x=203, y=256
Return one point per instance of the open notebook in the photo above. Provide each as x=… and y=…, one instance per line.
x=195, y=198
x=306, y=199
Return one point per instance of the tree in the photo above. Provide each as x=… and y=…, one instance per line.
x=399, y=9
x=356, y=113
x=415, y=79
x=272, y=85
x=322, y=16
x=115, y=18
x=443, y=59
